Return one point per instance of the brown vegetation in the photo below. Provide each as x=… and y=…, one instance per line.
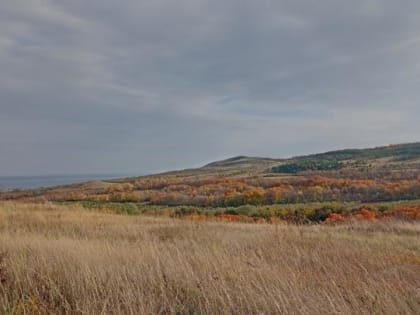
x=233, y=191
x=60, y=259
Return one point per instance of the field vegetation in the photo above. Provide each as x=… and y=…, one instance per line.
x=78, y=260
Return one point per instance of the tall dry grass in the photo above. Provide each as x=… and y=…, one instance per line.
x=70, y=260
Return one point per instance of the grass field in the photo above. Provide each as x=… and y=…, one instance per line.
x=66, y=259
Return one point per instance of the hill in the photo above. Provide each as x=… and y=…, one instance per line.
x=392, y=157
x=305, y=187
x=397, y=156
x=241, y=161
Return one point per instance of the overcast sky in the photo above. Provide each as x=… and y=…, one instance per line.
x=147, y=85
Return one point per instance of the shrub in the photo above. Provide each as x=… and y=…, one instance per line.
x=231, y=211
x=184, y=211
x=365, y=214
x=335, y=217
x=320, y=215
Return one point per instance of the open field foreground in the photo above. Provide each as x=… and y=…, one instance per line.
x=64, y=259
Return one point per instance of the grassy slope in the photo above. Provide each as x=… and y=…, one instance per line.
x=393, y=155
x=70, y=260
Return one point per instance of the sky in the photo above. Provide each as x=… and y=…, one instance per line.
x=136, y=86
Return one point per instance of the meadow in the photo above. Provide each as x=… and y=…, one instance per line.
x=66, y=259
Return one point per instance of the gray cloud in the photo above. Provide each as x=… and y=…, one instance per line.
x=138, y=86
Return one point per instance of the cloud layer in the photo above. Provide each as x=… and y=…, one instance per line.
x=140, y=86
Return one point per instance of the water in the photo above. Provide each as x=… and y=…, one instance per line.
x=31, y=182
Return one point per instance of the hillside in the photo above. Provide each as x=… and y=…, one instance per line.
x=242, y=162
x=299, y=187
x=401, y=156
x=407, y=151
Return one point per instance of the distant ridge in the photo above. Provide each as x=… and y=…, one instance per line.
x=241, y=160
x=387, y=173
x=404, y=151
x=378, y=160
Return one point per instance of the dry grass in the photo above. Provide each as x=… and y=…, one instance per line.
x=70, y=260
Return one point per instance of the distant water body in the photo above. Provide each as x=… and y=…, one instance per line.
x=31, y=182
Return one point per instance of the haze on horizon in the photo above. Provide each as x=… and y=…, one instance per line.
x=142, y=86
